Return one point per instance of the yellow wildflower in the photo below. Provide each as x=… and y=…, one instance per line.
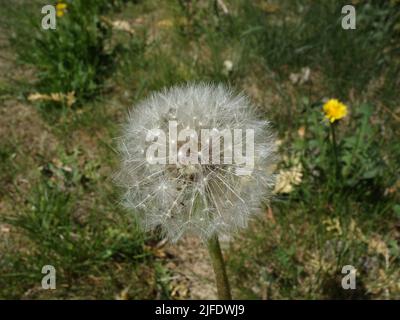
x=334, y=110
x=61, y=8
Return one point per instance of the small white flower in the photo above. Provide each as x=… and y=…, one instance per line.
x=194, y=198
x=228, y=66
x=302, y=77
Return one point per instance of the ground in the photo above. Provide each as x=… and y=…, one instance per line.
x=58, y=202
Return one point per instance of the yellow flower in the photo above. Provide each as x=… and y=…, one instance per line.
x=334, y=110
x=61, y=8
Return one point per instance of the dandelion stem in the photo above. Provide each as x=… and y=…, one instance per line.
x=223, y=288
x=335, y=151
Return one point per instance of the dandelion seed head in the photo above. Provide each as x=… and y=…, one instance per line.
x=201, y=199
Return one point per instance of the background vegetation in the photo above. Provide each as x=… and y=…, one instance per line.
x=64, y=92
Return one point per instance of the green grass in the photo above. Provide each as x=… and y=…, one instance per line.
x=305, y=34
x=80, y=242
x=65, y=210
x=327, y=222
x=76, y=57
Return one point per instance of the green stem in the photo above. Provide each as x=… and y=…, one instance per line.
x=335, y=151
x=223, y=289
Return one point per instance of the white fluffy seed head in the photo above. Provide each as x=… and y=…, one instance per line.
x=203, y=199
